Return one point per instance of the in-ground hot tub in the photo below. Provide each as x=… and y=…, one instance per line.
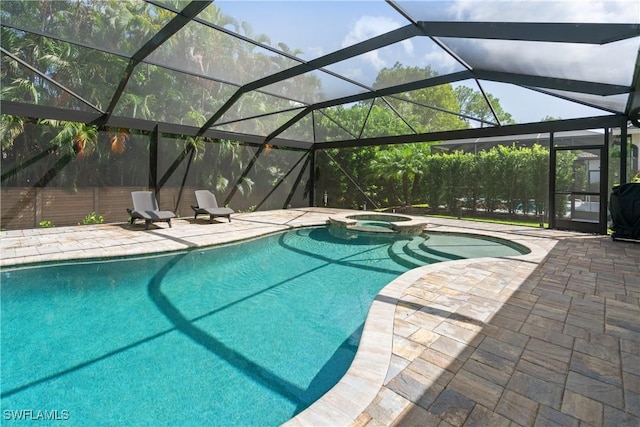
x=378, y=223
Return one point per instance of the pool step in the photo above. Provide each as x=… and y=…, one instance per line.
x=416, y=252
x=419, y=249
x=401, y=252
x=432, y=252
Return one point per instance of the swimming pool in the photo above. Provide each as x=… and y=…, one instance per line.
x=250, y=333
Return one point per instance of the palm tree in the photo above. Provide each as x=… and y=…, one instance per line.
x=74, y=138
x=403, y=163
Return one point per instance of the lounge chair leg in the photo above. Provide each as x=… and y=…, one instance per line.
x=169, y=223
x=146, y=224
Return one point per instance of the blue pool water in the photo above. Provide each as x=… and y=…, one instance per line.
x=374, y=224
x=244, y=334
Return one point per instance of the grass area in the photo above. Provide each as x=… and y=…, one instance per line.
x=531, y=223
x=528, y=222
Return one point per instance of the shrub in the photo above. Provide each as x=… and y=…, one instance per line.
x=93, y=218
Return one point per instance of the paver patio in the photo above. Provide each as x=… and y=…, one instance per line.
x=561, y=349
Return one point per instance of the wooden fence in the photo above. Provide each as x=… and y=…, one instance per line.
x=26, y=207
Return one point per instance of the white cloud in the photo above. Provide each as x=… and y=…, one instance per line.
x=441, y=61
x=311, y=52
x=601, y=11
x=609, y=63
x=367, y=27
x=371, y=26
x=375, y=60
x=356, y=74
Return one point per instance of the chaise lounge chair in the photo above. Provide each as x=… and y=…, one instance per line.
x=145, y=206
x=207, y=204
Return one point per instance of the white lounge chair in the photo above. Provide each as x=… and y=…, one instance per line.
x=207, y=204
x=145, y=206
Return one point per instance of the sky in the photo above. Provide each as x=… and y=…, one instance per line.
x=320, y=27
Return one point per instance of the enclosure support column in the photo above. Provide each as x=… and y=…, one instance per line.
x=623, y=151
x=604, y=182
x=38, y=205
x=96, y=199
x=244, y=174
x=287, y=203
x=312, y=178
x=153, y=159
x=552, y=183
x=184, y=180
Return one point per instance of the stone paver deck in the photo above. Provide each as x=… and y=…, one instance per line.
x=548, y=338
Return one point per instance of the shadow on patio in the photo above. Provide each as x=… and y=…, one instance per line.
x=551, y=344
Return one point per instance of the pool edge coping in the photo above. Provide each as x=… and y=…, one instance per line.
x=412, y=225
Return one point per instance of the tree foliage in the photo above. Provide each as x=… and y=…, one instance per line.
x=427, y=110
x=508, y=179
x=67, y=154
x=400, y=170
x=478, y=106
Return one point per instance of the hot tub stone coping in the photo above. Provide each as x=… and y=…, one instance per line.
x=408, y=224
